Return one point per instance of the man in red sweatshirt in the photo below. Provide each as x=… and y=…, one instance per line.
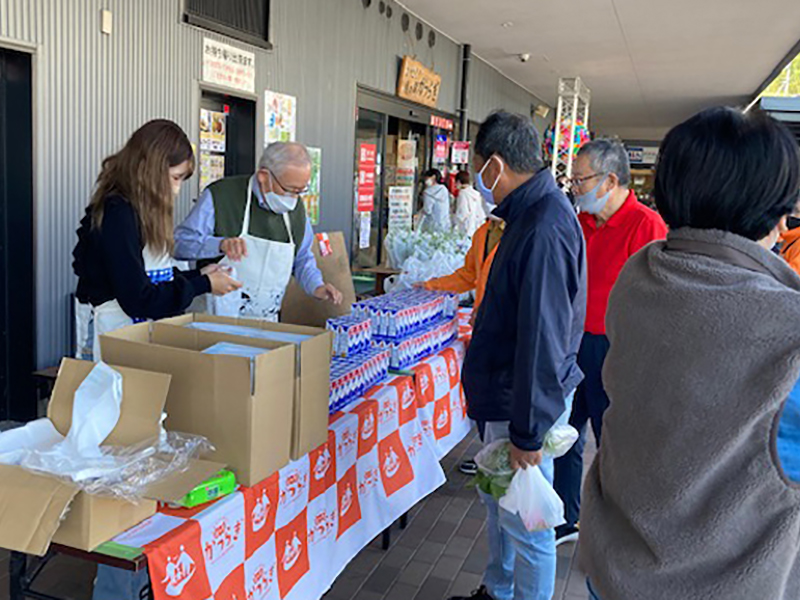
x=616, y=226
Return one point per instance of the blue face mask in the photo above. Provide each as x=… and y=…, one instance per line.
x=590, y=202
x=486, y=192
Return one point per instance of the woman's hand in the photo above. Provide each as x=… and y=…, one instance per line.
x=222, y=283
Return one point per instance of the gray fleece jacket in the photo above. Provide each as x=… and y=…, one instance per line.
x=687, y=499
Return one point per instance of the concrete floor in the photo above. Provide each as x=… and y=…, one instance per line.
x=441, y=553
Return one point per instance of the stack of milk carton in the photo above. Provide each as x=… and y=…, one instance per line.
x=351, y=334
x=411, y=324
x=353, y=375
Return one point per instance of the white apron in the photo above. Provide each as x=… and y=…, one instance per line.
x=92, y=322
x=265, y=273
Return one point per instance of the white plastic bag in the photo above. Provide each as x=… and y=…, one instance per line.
x=559, y=440
x=532, y=497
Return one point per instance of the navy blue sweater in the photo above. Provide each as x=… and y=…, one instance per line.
x=521, y=363
x=109, y=265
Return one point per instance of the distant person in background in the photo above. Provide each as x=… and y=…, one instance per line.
x=473, y=276
x=435, y=213
x=790, y=248
x=564, y=185
x=615, y=226
x=469, y=207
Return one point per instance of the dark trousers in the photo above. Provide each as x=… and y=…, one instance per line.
x=590, y=404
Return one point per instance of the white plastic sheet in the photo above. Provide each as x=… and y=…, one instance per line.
x=254, y=332
x=235, y=350
x=81, y=457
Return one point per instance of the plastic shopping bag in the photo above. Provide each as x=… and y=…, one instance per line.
x=559, y=440
x=532, y=497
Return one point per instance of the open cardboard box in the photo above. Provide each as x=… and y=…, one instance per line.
x=257, y=414
x=299, y=308
x=36, y=510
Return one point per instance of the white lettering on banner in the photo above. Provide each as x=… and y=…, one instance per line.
x=391, y=464
x=323, y=464
x=452, y=368
x=228, y=66
x=369, y=426
x=408, y=397
x=441, y=375
x=347, y=500
x=442, y=421
x=180, y=570
x=291, y=553
x=424, y=382
x=261, y=512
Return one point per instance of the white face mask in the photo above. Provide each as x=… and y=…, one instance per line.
x=278, y=203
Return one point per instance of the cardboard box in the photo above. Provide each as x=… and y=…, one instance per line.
x=36, y=510
x=299, y=308
x=256, y=427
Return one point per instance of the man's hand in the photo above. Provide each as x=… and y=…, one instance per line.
x=329, y=293
x=420, y=285
x=472, y=317
x=234, y=248
x=522, y=459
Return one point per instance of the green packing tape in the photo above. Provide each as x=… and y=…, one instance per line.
x=119, y=551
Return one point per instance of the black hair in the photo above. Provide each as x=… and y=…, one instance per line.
x=436, y=173
x=513, y=138
x=727, y=170
x=463, y=178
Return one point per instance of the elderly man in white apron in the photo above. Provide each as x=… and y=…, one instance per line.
x=258, y=225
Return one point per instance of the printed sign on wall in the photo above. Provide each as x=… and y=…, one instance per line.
x=280, y=115
x=228, y=66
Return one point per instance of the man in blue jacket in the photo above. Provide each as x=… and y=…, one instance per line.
x=520, y=371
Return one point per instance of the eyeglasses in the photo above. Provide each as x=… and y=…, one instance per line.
x=576, y=181
x=289, y=191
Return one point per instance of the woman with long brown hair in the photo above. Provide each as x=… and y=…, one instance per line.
x=123, y=258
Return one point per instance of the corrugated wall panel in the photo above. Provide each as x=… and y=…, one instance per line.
x=489, y=89
x=92, y=91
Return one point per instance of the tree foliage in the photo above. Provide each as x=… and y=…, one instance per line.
x=787, y=83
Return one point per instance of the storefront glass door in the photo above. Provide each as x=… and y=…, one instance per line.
x=370, y=138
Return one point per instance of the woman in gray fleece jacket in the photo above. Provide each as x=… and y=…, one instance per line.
x=688, y=498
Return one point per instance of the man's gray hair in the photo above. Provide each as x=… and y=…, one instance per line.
x=279, y=155
x=513, y=138
x=608, y=156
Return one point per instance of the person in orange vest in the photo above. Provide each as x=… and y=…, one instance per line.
x=473, y=276
x=475, y=272
x=790, y=250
